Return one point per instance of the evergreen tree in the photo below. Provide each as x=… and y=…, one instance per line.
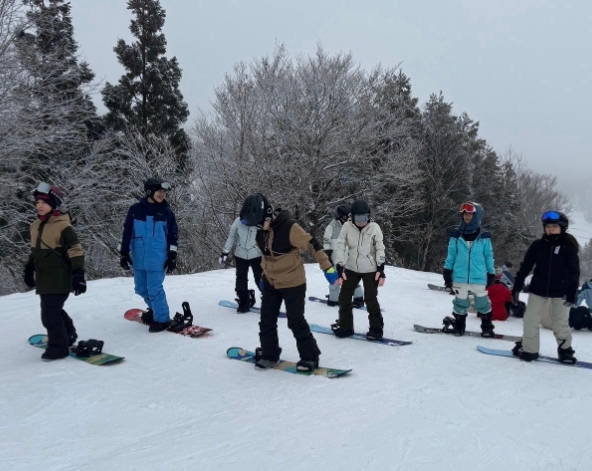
x=147, y=99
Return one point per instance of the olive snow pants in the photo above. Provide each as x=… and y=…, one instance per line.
x=535, y=308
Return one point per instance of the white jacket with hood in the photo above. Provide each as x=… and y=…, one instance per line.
x=244, y=238
x=360, y=249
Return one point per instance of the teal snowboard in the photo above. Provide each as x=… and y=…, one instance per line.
x=40, y=341
x=237, y=353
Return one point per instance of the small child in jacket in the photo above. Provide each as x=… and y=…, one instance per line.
x=500, y=297
x=359, y=257
x=55, y=268
x=149, y=248
x=469, y=268
x=554, y=258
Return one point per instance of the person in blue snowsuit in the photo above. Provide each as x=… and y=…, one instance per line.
x=469, y=268
x=149, y=248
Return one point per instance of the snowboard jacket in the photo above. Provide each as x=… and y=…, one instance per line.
x=585, y=294
x=245, y=239
x=556, y=269
x=55, y=252
x=149, y=232
x=499, y=295
x=360, y=250
x=331, y=235
x=470, y=262
x=281, y=246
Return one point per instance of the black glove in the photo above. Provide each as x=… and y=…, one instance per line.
x=490, y=279
x=380, y=270
x=171, y=261
x=339, y=269
x=125, y=260
x=448, y=279
x=29, y=275
x=78, y=281
x=223, y=258
x=329, y=253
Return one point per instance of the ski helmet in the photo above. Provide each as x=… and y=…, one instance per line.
x=555, y=217
x=360, y=211
x=342, y=212
x=256, y=209
x=152, y=185
x=51, y=194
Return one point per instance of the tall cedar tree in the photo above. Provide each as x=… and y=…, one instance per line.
x=147, y=99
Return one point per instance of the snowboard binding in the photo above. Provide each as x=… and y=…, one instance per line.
x=88, y=348
x=251, y=298
x=448, y=323
x=182, y=321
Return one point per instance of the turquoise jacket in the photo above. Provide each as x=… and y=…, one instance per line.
x=470, y=263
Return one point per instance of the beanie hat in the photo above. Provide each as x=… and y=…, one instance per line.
x=52, y=195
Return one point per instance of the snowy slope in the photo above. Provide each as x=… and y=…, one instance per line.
x=580, y=228
x=180, y=404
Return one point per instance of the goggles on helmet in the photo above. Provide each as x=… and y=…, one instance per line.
x=166, y=186
x=468, y=208
x=361, y=218
x=43, y=187
x=550, y=217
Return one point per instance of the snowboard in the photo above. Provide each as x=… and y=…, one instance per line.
x=324, y=301
x=40, y=341
x=542, y=358
x=436, y=287
x=434, y=330
x=319, y=329
x=193, y=331
x=237, y=353
x=256, y=310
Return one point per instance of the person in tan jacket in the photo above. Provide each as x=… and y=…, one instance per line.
x=55, y=268
x=360, y=256
x=281, y=240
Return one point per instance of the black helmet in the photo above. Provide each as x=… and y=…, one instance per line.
x=555, y=217
x=360, y=207
x=154, y=184
x=255, y=210
x=342, y=212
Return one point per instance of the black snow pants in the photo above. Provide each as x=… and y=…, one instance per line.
x=346, y=316
x=58, y=323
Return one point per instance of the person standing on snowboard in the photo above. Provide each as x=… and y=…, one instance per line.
x=246, y=254
x=555, y=279
x=149, y=248
x=55, y=268
x=360, y=257
x=281, y=240
x=469, y=268
x=330, y=245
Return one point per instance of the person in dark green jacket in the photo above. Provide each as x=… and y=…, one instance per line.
x=55, y=268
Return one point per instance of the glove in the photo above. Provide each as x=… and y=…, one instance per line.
x=125, y=260
x=261, y=284
x=329, y=253
x=223, y=257
x=29, y=275
x=331, y=275
x=78, y=282
x=490, y=279
x=340, y=270
x=447, y=274
x=380, y=270
x=568, y=304
x=171, y=261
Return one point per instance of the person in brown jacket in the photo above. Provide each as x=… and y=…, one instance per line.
x=281, y=240
x=55, y=267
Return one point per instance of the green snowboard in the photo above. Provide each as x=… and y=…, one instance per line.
x=40, y=341
x=237, y=353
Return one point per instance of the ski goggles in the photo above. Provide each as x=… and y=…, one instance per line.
x=468, y=208
x=550, y=216
x=361, y=218
x=166, y=186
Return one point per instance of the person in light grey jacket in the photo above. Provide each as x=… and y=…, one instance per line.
x=329, y=246
x=246, y=254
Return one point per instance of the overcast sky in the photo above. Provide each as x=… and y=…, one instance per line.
x=522, y=68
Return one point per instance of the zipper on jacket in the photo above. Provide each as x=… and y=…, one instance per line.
x=469, y=262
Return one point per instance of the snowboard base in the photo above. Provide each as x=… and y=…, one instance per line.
x=40, y=341
x=468, y=333
x=237, y=353
x=319, y=329
x=542, y=358
x=193, y=331
x=436, y=287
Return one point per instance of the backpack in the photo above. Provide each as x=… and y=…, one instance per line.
x=580, y=318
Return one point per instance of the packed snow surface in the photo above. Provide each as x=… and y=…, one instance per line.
x=178, y=404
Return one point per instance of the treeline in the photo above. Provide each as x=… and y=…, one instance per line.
x=310, y=133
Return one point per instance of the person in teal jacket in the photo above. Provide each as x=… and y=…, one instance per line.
x=469, y=268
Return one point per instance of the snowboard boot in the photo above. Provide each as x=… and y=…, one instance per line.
x=262, y=362
x=244, y=302
x=374, y=334
x=459, y=325
x=566, y=355
x=358, y=303
x=88, y=348
x=340, y=332
x=307, y=366
x=525, y=356
x=159, y=326
x=486, y=325
x=72, y=337
x=147, y=317
x=517, y=350
x=448, y=323
x=49, y=355
x=332, y=303
x=252, y=299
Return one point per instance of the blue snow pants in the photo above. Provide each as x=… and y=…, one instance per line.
x=148, y=284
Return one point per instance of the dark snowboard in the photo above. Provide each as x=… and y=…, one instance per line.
x=542, y=358
x=233, y=305
x=434, y=330
x=319, y=329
